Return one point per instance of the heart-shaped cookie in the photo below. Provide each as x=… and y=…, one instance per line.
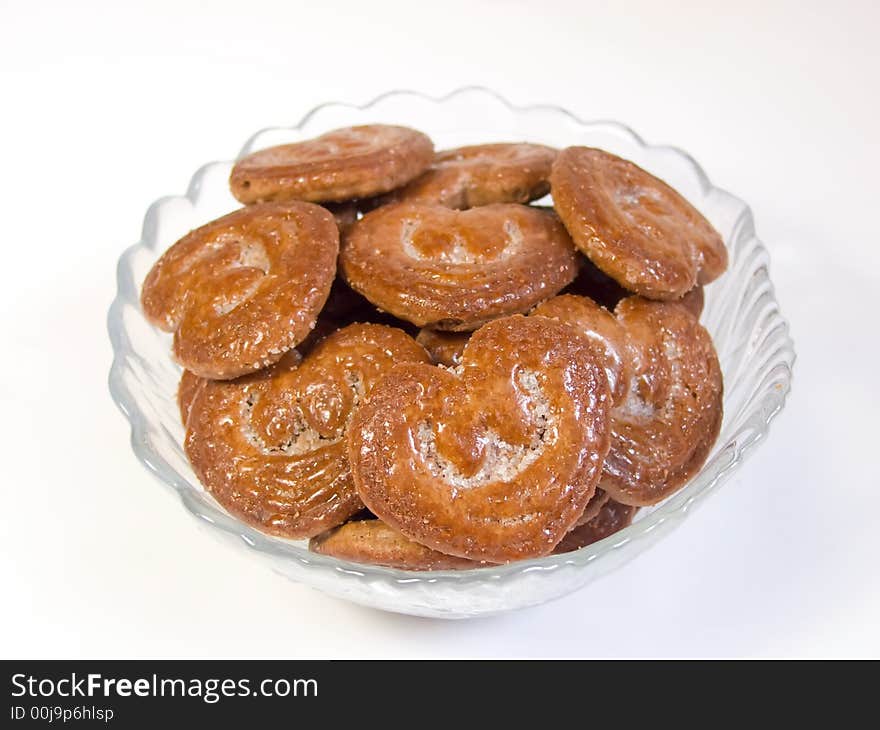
x=496, y=460
x=668, y=411
x=455, y=270
x=269, y=447
x=354, y=162
x=244, y=289
x=633, y=226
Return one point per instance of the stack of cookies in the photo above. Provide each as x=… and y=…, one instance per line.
x=389, y=351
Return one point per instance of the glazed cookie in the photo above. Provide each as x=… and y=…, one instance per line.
x=663, y=432
x=445, y=348
x=496, y=460
x=466, y=177
x=269, y=447
x=372, y=541
x=244, y=289
x=670, y=414
x=455, y=270
x=610, y=518
x=633, y=226
x=354, y=162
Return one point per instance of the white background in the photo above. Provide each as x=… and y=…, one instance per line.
x=105, y=106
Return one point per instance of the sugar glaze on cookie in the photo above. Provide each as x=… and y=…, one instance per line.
x=241, y=291
x=269, y=447
x=456, y=270
x=496, y=459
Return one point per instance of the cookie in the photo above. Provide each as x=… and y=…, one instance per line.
x=244, y=289
x=633, y=226
x=467, y=177
x=354, y=162
x=455, y=270
x=610, y=518
x=269, y=447
x=663, y=432
x=496, y=460
x=445, y=348
x=668, y=419
x=374, y=542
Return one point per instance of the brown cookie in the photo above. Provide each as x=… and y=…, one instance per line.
x=633, y=226
x=244, y=289
x=269, y=447
x=467, y=177
x=354, y=162
x=663, y=432
x=455, y=270
x=445, y=348
x=497, y=460
x=610, y=518
x=670, y=414
x=374, y=542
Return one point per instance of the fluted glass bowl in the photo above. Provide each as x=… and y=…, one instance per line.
x=741, y=313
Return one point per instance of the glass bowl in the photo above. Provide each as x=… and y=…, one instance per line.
x=741, y=313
